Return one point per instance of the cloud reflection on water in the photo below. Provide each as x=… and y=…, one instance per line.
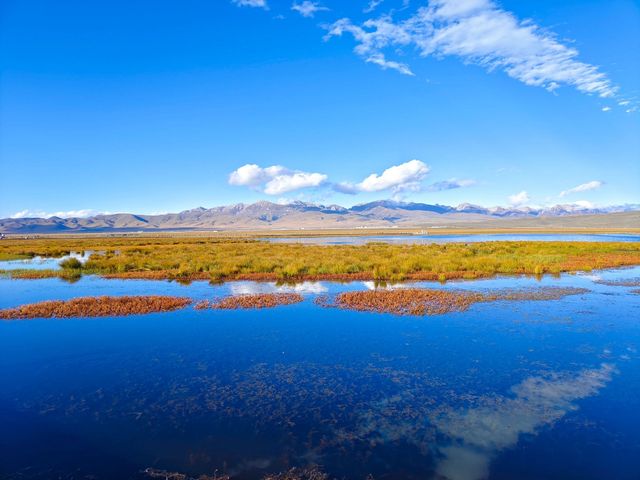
x=247, y=288
x=479, y=433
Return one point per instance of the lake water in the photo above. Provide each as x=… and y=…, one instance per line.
x=526, y=390
x=435, y=238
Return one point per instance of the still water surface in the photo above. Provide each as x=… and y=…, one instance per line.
x=435, y=238
x=527, y=390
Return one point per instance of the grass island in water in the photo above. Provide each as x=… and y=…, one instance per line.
x=95, y=307
x=253, y=300
x=423, y=301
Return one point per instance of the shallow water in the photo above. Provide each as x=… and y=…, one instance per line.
x=435, y=238
x=528, y=390
x=42, y=263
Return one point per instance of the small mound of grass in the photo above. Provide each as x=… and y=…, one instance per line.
x=95, y=307
x=71, y=263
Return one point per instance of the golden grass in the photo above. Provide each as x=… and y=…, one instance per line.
x=219, y=259
x=95, y=307
x=421, y=301
x=258, y=300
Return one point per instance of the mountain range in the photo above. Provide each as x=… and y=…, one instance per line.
x=298, y=215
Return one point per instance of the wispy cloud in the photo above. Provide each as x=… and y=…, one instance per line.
x=373, y=4
x=274, y=180
x=584, y=187
x=307, y=8
x=481, y=33
x=62, y=214
x=519, y=198
x=251, y=3
x=399, y=178
x=450, y=185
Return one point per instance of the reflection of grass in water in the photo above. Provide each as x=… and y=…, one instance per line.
x=190, y=258
x=422, y=301
x=257, y=300
x=95, y=307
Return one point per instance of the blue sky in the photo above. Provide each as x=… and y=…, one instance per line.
x=158, y=106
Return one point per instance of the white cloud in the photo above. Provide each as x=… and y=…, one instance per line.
x=380, y=60
x=274, y=180
x=307, y=8
x=251, y=175
x=399, y=178
x=406, y=176
x=479, y=32
x=376, y=35
x=451, y=184
x=584, y=187
x=293, y=181
x=251, y=3
x=63, y=214
x=606, y=109
x=519, y=198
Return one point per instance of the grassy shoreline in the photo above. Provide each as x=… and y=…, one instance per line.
x=220, y=259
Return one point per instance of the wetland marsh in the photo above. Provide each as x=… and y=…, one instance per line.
x=462, y=380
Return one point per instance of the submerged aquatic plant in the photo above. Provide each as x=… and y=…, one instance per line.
x=295, y=473
x=95, y=307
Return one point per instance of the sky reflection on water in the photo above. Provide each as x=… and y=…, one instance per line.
x=537, y=389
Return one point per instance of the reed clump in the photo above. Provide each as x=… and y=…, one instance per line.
x=423, y=301
x=257, y=300
x=95, y=307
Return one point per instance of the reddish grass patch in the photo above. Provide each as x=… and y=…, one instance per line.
x=422, y=301
x=95, y=307
x=259, y=300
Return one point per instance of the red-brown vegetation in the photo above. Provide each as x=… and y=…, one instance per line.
x=422, y=301
x=95, y=307
x=258, y=300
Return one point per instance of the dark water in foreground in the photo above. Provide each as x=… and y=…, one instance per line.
x=526, y=390
x=434, y=237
